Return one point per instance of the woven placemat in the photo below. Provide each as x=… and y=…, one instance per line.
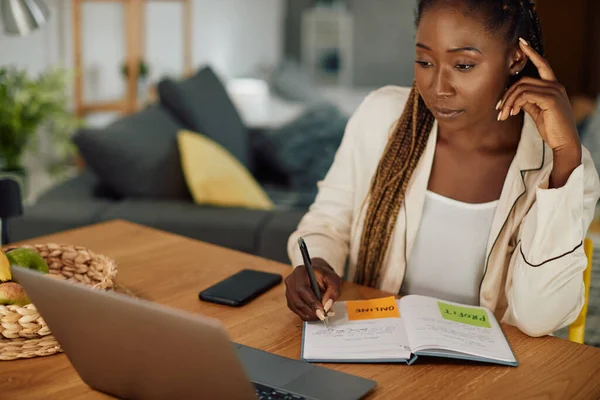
x=22, y=348
x=14, y=349
x=23, y=332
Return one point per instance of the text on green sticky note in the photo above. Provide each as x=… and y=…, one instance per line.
x=464, y=315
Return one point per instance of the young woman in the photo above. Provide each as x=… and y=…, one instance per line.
x=471, y=187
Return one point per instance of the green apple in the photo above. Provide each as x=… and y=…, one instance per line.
x=27, y=258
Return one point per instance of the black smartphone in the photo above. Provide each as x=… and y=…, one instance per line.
x=240, y=288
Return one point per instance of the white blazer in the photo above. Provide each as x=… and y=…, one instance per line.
x=534, y=260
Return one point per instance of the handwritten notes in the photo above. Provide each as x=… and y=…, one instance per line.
x=385, y=307
x=361, y=339
x=464, y=315
x=352, y=333
x=372, y=331
x=434, y=325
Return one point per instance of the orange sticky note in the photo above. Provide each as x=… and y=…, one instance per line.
x=384, y=307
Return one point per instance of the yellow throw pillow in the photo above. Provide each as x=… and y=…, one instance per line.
x=215, y=177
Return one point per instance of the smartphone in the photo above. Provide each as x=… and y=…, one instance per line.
x=240, y=288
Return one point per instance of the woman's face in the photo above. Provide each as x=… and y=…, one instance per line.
x=461, y=69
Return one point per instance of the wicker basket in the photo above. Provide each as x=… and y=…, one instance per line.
x=23, y=332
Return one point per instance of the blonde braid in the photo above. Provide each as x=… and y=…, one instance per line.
x=388, y=188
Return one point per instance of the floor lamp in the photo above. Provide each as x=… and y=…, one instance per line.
x=21, y=17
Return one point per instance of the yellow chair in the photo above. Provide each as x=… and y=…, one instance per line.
x=577, y=328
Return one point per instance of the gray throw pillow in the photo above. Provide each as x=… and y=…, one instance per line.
x=136, y=156
x=202, y=104
x=304, y=149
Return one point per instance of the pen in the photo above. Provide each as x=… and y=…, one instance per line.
x=311, y=275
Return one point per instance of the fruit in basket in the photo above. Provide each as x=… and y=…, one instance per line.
x=5, y=274
x=28, y=258
x=11, y=293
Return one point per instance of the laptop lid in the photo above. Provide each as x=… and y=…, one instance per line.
x=135, y=349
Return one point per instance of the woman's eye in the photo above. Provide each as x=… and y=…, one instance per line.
x=465, y=67
x=424, y=64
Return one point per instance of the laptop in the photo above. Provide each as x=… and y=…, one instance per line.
x=136, y=349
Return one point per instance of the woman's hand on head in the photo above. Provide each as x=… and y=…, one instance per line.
x=546, y=101
x=299, y=294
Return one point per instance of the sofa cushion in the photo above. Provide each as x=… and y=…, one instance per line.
x=83, y=186
x=215, y=177
x=285, y=199
x=54, y=216
x=202, y=105
x=304, y=149
x=265, y=167
x=233, y=228
x=136, y=156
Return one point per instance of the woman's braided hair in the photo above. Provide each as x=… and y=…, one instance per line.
x=518, y=18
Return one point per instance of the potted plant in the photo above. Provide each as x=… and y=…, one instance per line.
x=143, y=75
x=27, y=105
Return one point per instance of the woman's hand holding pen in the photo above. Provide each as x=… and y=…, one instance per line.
x=300, y=296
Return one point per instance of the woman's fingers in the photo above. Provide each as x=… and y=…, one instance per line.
x=540, y=62
x=333, y=289
x=533, y=103
x=526, y=80
x=302, y=310
x=293, y=282
x=298, y=306
x=508, y=108
x=309, y=298
x=530, y=103
x=547, y=84
x=300, y=296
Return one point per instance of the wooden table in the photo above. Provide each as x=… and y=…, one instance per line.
x=171, y=270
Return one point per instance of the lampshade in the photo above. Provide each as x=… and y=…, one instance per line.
x=20, y=17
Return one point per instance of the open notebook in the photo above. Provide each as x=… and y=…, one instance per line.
x=372, y=331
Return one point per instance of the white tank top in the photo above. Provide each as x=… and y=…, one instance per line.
x=448, y=256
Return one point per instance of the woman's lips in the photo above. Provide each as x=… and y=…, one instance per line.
x=446, y=113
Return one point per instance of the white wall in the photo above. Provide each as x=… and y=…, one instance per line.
x=36, y=51
x=238, y=35
x=390, y=24
x=234, y=36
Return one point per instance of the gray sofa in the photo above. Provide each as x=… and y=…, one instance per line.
x=133, y=171
x=78, y=202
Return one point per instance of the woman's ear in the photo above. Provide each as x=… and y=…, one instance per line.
x=517, y=61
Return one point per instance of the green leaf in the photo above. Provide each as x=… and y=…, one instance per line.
x=28, y=104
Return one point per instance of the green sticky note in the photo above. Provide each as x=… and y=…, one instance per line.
x=464, y=315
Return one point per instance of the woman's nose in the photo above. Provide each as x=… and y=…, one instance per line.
x=442, y=88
